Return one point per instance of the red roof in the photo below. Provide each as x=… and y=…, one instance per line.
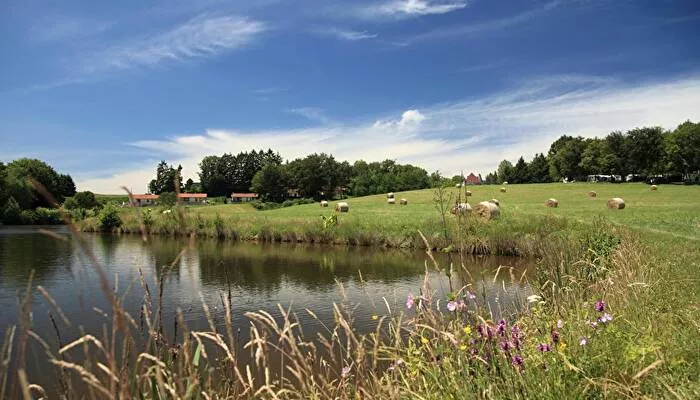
x=244, y=195
x=145, y=196
x=188, y=195
x=473, y=179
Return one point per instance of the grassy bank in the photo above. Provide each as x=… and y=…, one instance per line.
x=672, y=210
x=615, y=316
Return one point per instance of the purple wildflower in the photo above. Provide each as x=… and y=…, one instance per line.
x=474, y=351
x=462, y=305
x=480, y=329
x=583, y=341
x=451, y=305
x=605, y=318
x=501, y=328
x=505, y=346
x=555, y=336
x=410, y=300
x=600, y=306
x=544, y=347
x=593, y=324
x=560, y=324
x=345, y=371
x=518, y=361
x=471, y=295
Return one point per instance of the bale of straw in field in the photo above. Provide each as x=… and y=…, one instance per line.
x=391, y=201
x=324, y=203
x=342, y=207
x=616, y=203
x=654, y=188
x=459, y=185
x=461, y=208
x=495, y=201
x=553, y=203
x=505, y=183
x=487, y=210
x=503, y=190
x=468, y=193
x=592, y=194
x=390, y=195
x=404, y=202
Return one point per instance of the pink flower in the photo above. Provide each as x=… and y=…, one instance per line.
x=560, y=324
x=410, y=300
x=345, y=371
x=583, y=341
x=451, y=305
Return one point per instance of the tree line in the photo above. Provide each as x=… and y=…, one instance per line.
x=315, y=176
x=646, y=152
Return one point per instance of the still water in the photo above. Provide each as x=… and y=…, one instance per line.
x=259, y=277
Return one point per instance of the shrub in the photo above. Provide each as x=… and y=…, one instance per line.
x=11, y=212
x=261, y=205
x=167, y=199
x=85, y=200
x=28, y=217
x=48, y=216
x=71, y=203
x=109, y=218
x=147, y=217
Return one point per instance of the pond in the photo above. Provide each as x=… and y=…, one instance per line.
x=258, y=277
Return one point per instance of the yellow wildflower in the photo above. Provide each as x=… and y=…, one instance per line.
x=424, y=340
x=562, y=346
x=463, y=347
x=375, y=317
x=467, y=329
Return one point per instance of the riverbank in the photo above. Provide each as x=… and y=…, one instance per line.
x=525, y=222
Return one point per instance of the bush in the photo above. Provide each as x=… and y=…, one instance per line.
x=109, y=219
x=167, y=199
x=85, y=200
x=261, y=205
x=71, y=204
x=48, y=216
x=11, y=212
x=28, y=217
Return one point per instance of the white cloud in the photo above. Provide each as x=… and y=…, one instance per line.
x=345, y=34
x=60, y=28
x=472, y=29
x=470, y=135
x=311, y=113
x=200, y=37
x=411, y=8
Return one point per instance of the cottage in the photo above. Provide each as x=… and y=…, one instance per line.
x=243, y=197
x=472, y=179
x=192, y=198
x=141, y=200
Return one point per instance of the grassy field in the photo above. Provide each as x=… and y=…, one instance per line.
x=616, y=314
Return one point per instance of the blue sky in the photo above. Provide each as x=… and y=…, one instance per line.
x=103, y=90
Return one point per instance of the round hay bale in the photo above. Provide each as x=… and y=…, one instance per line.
x=391, y=201
x=342, y=207
x=616, y=203
x=487, y=210
x=495, y=201
x=468, y=193
x=459, y=185
x=390, y=195
x=552, y=203
x=505, y=183
x=654, y=188
x=592, y=194
x=503, y=190
x=404, y=202
x=324, y=203
x=461, y=208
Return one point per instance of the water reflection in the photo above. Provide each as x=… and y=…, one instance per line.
x=258, y=277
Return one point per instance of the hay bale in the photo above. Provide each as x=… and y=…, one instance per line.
x=404, y=202
x=592, y=194
x=461, y=208
x=495, y=201
x=342, y=207
x=324, y=203
x=459, y=185
x=505, y=183
x=487, y=210
x=390, y=195
x=468, y=193
x=391, y=201
x=654, y=188
x=503, y=190
x=552, y=203
x=616, y=203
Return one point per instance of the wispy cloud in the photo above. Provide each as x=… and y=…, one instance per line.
x=56, y=28
x=484, y=66
x=344, y=34
x=204, y=36
x=270, y=90
x=409, y=8
x=474, y=134
x=315, y=114
x=472, y=29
